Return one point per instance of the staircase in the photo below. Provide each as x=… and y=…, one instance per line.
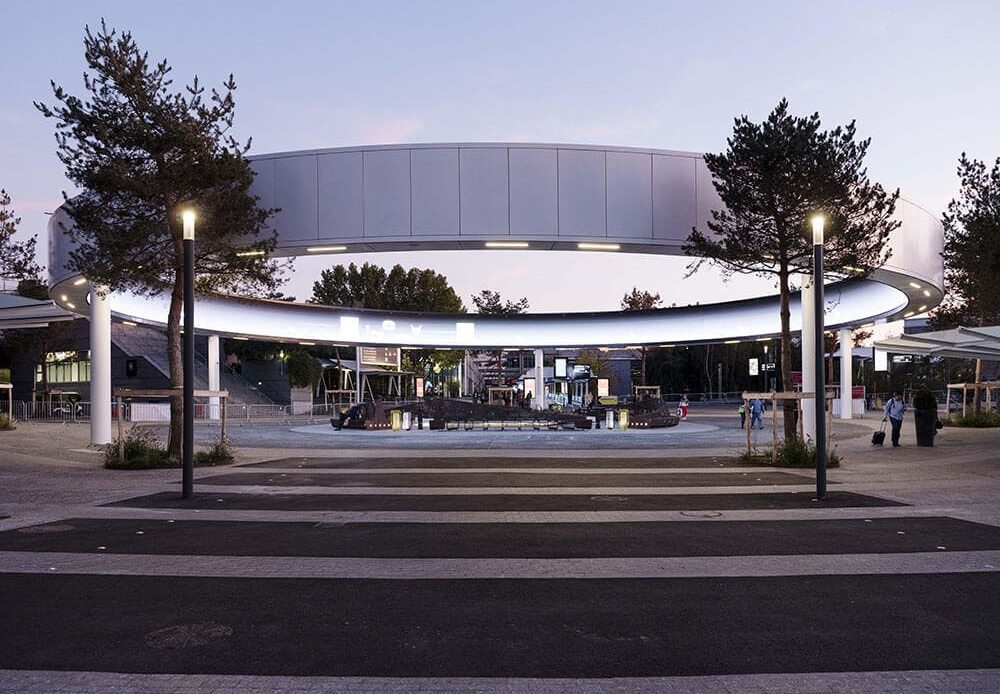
x=151, y=345
x=240, y=390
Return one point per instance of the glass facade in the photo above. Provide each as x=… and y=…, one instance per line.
x=65, y=367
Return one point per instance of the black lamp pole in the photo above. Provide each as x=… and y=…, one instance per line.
x=818, y=308
x=187, y=483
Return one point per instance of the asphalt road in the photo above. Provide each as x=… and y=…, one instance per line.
x=275, y=501
x=500, y=627
x=503, y=540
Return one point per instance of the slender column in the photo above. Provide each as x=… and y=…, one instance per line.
x=820, y=319
x=187, y=473
x=214, y=379
x=538, y=398
x=846, y=377
x=808, y=363
x=100, y=366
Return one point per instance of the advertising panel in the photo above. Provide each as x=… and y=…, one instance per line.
x=560, y=368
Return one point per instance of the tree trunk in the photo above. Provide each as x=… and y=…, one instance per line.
x=786, y=356
x=176, y=364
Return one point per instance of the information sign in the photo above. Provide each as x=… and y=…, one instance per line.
x=379, y=356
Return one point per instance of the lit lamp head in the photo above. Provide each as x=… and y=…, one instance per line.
x=817, y=225
x=188, y=217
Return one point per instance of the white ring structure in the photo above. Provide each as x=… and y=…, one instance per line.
x=489, y=196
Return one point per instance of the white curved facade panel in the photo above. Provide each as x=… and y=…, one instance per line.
x=534, y=192
x=847, y=304
x=917, y=244
x=459, y=196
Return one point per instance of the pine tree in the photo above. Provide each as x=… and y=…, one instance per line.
x=141, y=153
x=972, y=253
x=17, y=258
x=772, y=179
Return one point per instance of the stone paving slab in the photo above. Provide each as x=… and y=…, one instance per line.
x=54, y=563
x=525, y=480
x=601, y=499
x=441, y=463
x=26, y=514
x=891, y=682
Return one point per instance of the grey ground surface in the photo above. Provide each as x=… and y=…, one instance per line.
x=892, y=595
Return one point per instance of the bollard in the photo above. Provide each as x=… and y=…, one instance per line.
x=407, y=421
x=395, y=420
x=609, y=420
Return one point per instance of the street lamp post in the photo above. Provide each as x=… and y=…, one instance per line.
x=187, y=483
x=817, y=228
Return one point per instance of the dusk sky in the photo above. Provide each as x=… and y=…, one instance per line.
x=920, y=78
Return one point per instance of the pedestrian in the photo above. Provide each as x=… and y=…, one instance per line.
x=756, y=412
x=893, y=411
x=743, y=414
x=684, y=407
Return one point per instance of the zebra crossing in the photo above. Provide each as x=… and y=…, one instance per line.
x=465, y=571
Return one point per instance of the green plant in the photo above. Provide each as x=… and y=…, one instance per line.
x=979, y=420
x=924, y=400
x=303, y=370
x=794, y=453
x=220, y=453
x=6, y=424
x=138, y=449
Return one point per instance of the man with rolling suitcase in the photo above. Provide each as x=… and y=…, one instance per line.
x=893, y=411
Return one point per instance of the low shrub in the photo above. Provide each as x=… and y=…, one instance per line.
x=142, y=451
x=5, y=423
x=979, y=420
x=794, y=453
x=220, y=453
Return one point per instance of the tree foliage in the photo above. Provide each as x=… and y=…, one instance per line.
x=488, y=302
x=399, y=289
x=142, y=152
x=641, y=301
x=772, y=179
x=303, y=370
x=972, y=248
x=17, y=258
x=371, y=287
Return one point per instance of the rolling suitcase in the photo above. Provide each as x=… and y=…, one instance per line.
x=878, y=438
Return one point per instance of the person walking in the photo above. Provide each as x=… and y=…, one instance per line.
x=893, y=411
x=684, y=407
x=743, y=414
x=756, y=412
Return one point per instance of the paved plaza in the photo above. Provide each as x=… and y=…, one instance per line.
x=463, y=561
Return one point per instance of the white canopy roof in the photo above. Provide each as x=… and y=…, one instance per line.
x=964, y=343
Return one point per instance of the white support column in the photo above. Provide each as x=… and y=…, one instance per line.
x=214, y=379
x=808, y=357
x=538, y=402
x=100, y=367
x=846, y=349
